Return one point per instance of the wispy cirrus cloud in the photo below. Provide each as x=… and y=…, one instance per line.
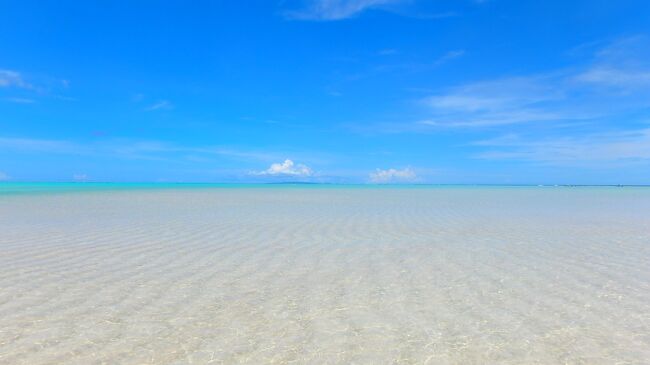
x=336, y=9
x=20, y=100
x=616, y=80
x=331, y=10
x=160, y=105
x=623, y=66
x=450, y=55
x=133, y=149
x=613, y=148
x=26, y=89
x=239, y=154
x=614, y=77
x=392, y=62
x=10, y=78
x=40, y=145
x=496, y=102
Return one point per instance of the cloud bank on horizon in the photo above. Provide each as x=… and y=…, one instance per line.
x=468, y=91
x=405, y=175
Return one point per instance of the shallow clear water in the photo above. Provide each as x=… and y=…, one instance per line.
x=218, y=274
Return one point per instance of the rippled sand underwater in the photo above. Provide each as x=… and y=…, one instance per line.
x=326, y=276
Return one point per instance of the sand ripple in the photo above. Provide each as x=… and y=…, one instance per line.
x=326, y=276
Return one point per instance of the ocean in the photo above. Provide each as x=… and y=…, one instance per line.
x=323, y=274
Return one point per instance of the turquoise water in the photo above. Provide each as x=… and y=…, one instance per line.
x=21, y=188
x=310, y=274
x=11, y=188
x=323, y=274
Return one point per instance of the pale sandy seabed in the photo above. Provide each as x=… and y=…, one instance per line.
x=326, y=276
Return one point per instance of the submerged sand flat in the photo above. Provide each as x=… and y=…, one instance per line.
x=326, y=276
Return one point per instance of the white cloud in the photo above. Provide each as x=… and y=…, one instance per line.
x=161, y=105
x=3, y=176
x=80, y=177
x=337, y=9
x=616, y=77
x=498, y=102
x=623, y=65
x=44, y=86
x=287, y=168
x=20, y=100
x=595, y=149
x=393, y=175
x=9, y=78
x=500, y=118
x=132, y=149
x=449, y=56
x=40, y=145
x=616, y=80
x=493, y=95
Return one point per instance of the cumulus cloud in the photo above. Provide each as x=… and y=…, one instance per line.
x=393, y=175
x=3, y=176
x=287, y=168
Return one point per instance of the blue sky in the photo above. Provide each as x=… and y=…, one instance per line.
x=357, y=91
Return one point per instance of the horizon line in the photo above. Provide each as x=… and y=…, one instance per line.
x=320, y=183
